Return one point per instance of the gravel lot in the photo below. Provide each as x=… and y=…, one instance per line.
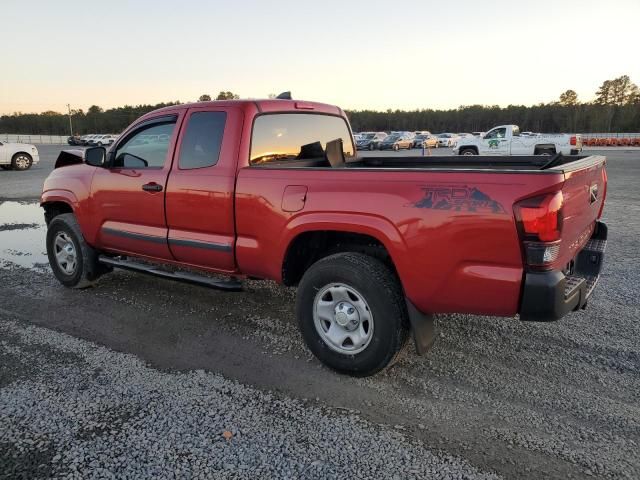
x=142, y=377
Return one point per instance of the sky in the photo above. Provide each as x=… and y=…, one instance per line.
x=356, y=54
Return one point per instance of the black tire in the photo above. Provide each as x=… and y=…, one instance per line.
x=396, y=147
x=21, y=161
x=87, y=269
x=545, y=151
x=381, y=290
x=468, y=151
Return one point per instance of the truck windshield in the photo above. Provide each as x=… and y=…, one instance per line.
x=297, y=136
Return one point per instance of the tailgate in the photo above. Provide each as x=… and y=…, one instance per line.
x=583, y=195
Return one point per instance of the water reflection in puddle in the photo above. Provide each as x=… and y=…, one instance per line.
x=22, y=235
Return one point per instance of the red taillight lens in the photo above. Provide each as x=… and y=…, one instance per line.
x=540, y=218
x=573, y=141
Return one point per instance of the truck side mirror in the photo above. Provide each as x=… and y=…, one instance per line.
x=95, y=156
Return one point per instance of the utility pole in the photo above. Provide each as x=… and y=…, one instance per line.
x=70, y=125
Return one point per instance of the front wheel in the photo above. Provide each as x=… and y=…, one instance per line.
x=468, y=151
x=352, y=314
x=21, y=161
x=73, y=261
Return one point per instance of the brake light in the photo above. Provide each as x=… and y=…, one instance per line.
x=539, y=221
x=540, y=218
x=573, y=141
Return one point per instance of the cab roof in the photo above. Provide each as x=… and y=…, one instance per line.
x=262, y=105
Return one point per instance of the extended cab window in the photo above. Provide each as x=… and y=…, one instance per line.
x=147, y=147
x=202, y=140
x=497, y=133
x=297, y=136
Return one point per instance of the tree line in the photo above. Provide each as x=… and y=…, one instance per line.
x=616, y=108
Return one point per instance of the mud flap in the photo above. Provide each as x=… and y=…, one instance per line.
x=422, y=327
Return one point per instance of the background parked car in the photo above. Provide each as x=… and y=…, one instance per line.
x=447, y=139
x=85, y=139
x=426, y=141
x=396, y=141
x=101, y=140
x=74, y=140
x=370, y=140
x=18, y=156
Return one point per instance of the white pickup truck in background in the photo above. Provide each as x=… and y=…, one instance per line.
x=506, y=140
x=18, y=156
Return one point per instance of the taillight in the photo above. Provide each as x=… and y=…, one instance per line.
x=539, y=221
x=573, y=141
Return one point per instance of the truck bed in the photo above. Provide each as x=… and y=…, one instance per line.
x=496, y=164
x=521, y=162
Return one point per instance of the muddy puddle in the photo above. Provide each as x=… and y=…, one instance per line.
x=22, y=235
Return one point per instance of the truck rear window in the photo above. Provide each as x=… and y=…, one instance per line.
x=297, y=136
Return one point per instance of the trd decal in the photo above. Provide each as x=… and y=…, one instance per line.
x=457, y=198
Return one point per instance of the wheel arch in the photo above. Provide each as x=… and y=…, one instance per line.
x=311, y=241
x=56, y=203
x=544, y=146
x=468, y=147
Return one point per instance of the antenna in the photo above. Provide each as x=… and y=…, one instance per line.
x=284, y=96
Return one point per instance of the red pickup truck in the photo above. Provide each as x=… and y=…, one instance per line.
x=273, y=189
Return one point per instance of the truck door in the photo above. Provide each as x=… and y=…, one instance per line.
x=495, y=142
x=127, y=197
x=200, y=191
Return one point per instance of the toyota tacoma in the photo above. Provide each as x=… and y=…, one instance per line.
x=216, y=192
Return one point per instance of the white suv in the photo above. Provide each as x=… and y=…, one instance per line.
x=103, y=140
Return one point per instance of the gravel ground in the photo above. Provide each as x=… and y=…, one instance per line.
x=520, y=400
x=72, y=409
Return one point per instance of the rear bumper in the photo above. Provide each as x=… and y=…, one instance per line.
x=549, y=296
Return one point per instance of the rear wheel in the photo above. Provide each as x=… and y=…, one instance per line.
x=352, y=314
x=73, y=261
x=21, y=161
x=546, y=152
x=468, y=151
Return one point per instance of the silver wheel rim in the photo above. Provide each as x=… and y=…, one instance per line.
x=65, y=253
x=343, y=319
x=22, y=161
x=467, y=152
